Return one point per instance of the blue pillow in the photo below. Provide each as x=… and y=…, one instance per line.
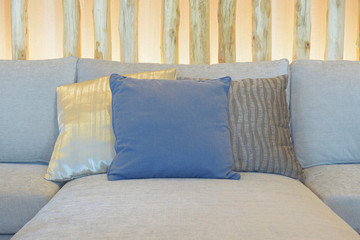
x=170, y=129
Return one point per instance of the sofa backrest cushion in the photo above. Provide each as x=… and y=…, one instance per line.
x=325, y=110
x=88, y=69
x=28, y=125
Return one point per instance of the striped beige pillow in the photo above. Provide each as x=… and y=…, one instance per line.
x=259, y=127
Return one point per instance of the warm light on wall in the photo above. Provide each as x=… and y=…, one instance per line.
x=46, y=24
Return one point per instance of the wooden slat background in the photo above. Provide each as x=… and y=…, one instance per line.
x=72, y=34
x=302, y=30
x=170, y=31
x=227, y=24
x=199, y=33
x=19, y=29
x=335, y=30
x=102, y=31
x=128, y=28
x=358, y=38
x=261, y=22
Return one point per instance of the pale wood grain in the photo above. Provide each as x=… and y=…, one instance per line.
x=19, y=29
x=358, y=36
x=102, y=31
x=128, y=28
x=302, y=30
x=169, y=32
x=335, y=30
x=199, y=32
x=261, y=21
x=72, y=39
x=226, y=19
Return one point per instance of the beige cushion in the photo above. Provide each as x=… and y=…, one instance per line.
x=259, y=206
x=339, y=187
x=85, y=144
x=23, y=192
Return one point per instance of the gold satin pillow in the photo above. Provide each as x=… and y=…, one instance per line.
x=85, y=144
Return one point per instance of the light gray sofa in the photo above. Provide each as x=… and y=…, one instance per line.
x=324, y=104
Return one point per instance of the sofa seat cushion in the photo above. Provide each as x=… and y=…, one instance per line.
x=259, y=206
x=23, y=192
x=338, y=187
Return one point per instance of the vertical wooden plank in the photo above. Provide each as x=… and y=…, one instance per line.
x=128, y=28
x=19, y=29
x=184, y=32
x=72, y=39
x=199, y=32
x=226, y=18
x=169, y=32
x=335, y=30
x=102, y=31
x=261, y=21
x=358, y=36
x=302, y=30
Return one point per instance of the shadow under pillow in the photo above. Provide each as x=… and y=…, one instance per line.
x=170, y=129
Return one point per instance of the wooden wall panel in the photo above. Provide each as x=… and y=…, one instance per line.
x=170, y=31
x=226, y=18
x=261, y=43
x=327, y=30
x=128, y=28
x=19, y=29
x=358, y=35
x=335, y=30
x=102, y=31
x=72, y=39
x=199, y=32
x=302, y=30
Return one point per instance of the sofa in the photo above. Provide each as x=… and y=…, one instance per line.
x=322, y=202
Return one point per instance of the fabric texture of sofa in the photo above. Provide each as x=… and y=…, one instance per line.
x=258, y=206
x=325, y=113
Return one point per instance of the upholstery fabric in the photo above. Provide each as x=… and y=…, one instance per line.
x=88, y=69
x=5, y=236
x=338, y=186
x=259, y=126
x=259, y=206
x=23, y=192
x=29, y=129
x=170, y=129
x=325, y=121
x=85, y=144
